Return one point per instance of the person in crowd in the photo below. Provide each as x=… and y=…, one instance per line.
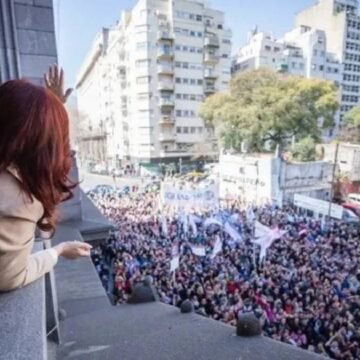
x=306, y=292
x=35, y=161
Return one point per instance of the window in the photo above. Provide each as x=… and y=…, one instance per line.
x=192, y=81
x=192, y=130
x=314, y=66
x=315, y=52
x=178, y=130
x=225, y=56
x=178, y=80
x=178, y=113
x=200, y=82
x=178, y=64
x=267, y=48
x=321, y=67
x=185, y=96
x=185, y=130
x=185, y=80
x=192, y=49
x=276, y=49
x=200, y=130
x=192, y=33
x=199, y=34
x=293, y=65
x=198, y=18
x=178, y=96
x=226, y=41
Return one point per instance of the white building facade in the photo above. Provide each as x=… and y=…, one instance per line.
x=262, y=178
x=340, y=21
x=302, y=52
x=151, y=73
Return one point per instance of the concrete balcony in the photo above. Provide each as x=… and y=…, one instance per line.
x=210, y=89
x=165, y=53
x=166, y=86
x=167, y=69
x=211, y=41
x=165, y=35
x=167, y=120
x=211, y=58
x=166, y=102
x=166, y=137
x=210, y=74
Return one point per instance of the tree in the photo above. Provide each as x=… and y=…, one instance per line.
x=265, y=109
x=305, y=150
x=351, y=130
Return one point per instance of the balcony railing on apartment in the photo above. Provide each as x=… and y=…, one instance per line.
x=210, y=89
x=165, y=35
x=166, y=102
x=166, y=137
x=167, y=69
x=167, y=120
x=210, y=74
x=211, y=57
x=166, y=85
x=211, y=41
x=165, y=52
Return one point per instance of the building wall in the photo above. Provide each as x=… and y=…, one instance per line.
x=27, y=41
x=265, y=178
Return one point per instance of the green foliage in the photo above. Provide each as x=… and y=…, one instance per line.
x=265, y=108
x=305, y=150
x=350, y=132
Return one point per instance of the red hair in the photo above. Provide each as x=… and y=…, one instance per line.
x=34, y=139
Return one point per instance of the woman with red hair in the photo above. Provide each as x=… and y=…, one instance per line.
x=35, y=161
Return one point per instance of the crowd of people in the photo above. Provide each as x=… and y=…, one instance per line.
x=306, y=292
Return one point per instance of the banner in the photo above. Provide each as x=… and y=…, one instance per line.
x=164, y=226
x=212, y=221
x=207, y=197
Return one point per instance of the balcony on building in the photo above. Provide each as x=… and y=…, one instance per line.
x=166, y=137
x=211, y=57
x=210, y=74
x=211, y=41
x=210, y=88
x=165, y=52
x=165, y=85
x=166, y=120
x=166, y=101
x=165, y=68
x=165, y=34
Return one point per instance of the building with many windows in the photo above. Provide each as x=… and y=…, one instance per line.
x=303, y=51
x=340, y=21
x=143, y=81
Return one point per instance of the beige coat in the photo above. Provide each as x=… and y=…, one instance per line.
x=18, y=217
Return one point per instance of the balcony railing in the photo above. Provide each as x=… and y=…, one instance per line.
x=166, y=137
x=166, y=85
x=211, y=74
x=210, y=89
x=165, y=69
x=166, y=102
x=165, y=35
x=165, y=52
x=166, y=120
x=211, y=57
x=212, y=41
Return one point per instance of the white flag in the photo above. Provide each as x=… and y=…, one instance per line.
x=198, y=250
x=232, y=232
x=217, y=247
x=193, y=224
x=265, y=237
x=174, y=263
x=212, y=221
x=164, y=226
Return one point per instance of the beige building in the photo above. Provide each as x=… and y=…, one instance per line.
x=144, y=79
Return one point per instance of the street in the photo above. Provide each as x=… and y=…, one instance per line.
x=88, y=181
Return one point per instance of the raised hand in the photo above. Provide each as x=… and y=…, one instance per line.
x=54, y=81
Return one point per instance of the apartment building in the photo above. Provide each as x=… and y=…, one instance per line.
x=304, y=51
x=340, y=21
x=143, y=81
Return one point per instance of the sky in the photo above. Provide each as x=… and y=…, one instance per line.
x=78, y=21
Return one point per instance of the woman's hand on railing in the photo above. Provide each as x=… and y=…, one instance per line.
x=72, y=250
